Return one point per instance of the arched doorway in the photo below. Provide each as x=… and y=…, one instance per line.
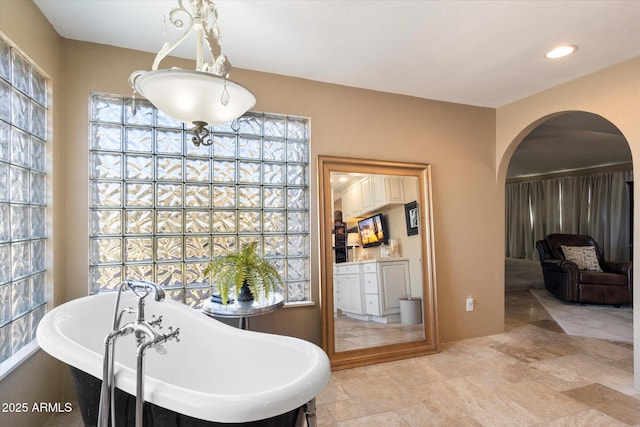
x=570, y=173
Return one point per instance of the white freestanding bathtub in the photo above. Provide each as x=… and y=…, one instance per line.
x=214, y=373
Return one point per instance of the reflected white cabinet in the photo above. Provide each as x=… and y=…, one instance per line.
x=371, y=193
x=347, y=284
x=371, y=290
x=352, y=201
x=393, y=190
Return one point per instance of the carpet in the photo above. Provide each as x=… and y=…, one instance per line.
x=593, y=321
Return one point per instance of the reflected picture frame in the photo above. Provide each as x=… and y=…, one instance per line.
x=412, y=217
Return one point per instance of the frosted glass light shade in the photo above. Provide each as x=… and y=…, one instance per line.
x=194, y=96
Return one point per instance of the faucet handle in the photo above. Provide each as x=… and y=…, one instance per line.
x=156, y=321
x=173, y=334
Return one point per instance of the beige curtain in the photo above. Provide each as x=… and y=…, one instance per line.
x=597, y=205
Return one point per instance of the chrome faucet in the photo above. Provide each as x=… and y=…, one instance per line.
x=147, y=336
x=141, y=328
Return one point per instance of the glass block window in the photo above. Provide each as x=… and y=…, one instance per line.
x=23, y=232
x=161, y=208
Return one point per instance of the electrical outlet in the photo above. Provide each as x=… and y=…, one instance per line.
x=469, y=304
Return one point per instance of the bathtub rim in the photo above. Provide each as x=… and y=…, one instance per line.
x=227, y=408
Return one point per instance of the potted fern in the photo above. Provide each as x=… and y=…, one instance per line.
x=244, y=273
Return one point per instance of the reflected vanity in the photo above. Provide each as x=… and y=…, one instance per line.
x=378, y=301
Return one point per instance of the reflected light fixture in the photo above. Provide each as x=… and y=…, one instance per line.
x=204, y=96
x=561, y=51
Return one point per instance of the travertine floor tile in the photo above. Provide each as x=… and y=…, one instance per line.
x=596, y=370
x=548, y=324
x=608, y=401
x=344, y=410
x=412, y=372
x=489, y=407
x=419, y=416
x=333, y=392
x=605, y=349
x=531, y=375
x=543, y=401
x=379, y=394
x=440, y=399
x=525, y=352
x=385, y=419
x=460, y=422
x=590, y=418
x=559, y=378
x=324, y=417
x=66, y=420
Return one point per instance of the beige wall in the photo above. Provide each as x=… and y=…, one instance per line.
x=457, y=140
x=614, y=94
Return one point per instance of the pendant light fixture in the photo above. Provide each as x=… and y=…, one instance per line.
x=204, y=96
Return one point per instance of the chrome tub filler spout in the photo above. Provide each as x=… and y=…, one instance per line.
x=147, y=335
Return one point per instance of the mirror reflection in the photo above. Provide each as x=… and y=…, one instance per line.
x=377, y=282
x=378, y=265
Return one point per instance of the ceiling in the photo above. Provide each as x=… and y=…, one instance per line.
x=571, y=141
x=481, y=53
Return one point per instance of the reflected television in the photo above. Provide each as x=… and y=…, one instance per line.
x=373, y=231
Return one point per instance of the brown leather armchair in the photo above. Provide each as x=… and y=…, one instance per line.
x=613, y=285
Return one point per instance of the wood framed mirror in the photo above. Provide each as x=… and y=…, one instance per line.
x=378, y=281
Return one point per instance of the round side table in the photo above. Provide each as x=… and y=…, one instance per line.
x=243, y=311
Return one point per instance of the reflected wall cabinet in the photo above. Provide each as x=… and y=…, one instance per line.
x=371, y=193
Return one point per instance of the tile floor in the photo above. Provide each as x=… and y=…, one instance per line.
x=354, y=334
x=531, y=375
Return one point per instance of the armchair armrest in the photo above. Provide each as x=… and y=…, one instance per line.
x=561, y=278
x=620, y=267
x=560, y=266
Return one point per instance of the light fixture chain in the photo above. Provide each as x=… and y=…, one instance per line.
x=134, y=108
x=201, y=134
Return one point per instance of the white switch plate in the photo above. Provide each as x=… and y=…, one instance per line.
x=469, y=304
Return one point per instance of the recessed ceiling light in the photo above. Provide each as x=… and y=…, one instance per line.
x=561, y=51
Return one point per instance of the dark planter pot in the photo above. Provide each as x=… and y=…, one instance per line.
x=245, y=294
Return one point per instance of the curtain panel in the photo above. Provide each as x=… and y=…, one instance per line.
x=597, y=205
